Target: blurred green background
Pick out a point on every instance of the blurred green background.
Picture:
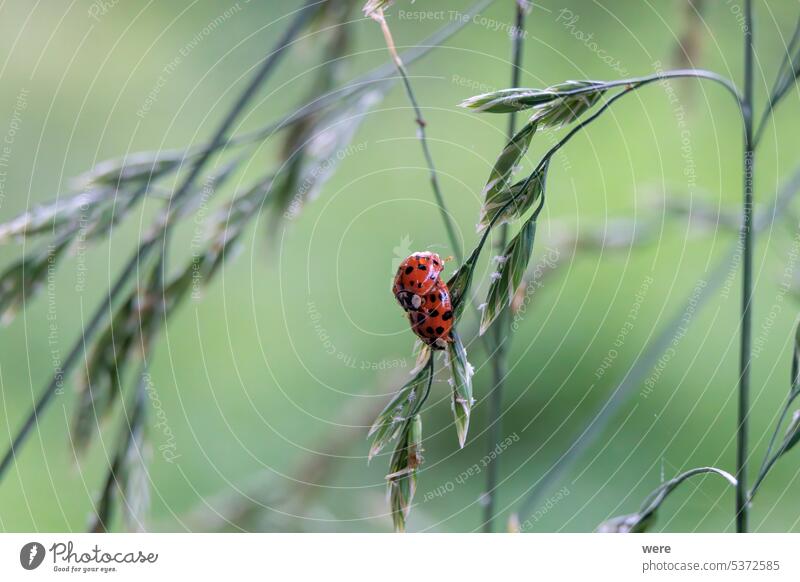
(268, 382)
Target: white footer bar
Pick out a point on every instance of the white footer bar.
(371, 557)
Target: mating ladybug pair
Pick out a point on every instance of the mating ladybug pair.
(425, 297)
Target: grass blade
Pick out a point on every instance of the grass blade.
(402, 479)
(461, 372)
(514, 201)
(510, 156)
(507, 279)
(640, 521)
(403, 406)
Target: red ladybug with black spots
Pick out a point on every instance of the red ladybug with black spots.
(433, 320)
(415, 278)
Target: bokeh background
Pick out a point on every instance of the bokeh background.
(268, 382)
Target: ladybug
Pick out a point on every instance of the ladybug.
(416, 278)
(433, 321)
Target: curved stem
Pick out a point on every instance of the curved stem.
(778, 88)
(423, 140)
(363, 82)
(655, 349)
(418, 407)
(218, 140)
(769, 460)
(499, 364)
(629, 86)
(660, 76)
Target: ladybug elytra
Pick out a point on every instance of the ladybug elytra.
(425, 297)
(433, 322)
(415, 278)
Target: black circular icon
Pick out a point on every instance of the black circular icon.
(31, 555)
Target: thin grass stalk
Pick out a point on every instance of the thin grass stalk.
(629, 383)
(74, 355)
(747, 280)
(219, 138)
(628, 86)
(499, 360)
(769, 459)
(421, 134)
(787, 68)
(363, 82)
(644, 364)
(103, 513)
(133, 422)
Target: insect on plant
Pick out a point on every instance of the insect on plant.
(573, 106)
(118, 340)
(117, 344)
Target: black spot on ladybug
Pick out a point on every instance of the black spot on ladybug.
(433, 296)
(422, 267)
(429, 329)
(447, 315)
(409, 270)
(435, 313)
(419, 285)
(439, 330)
